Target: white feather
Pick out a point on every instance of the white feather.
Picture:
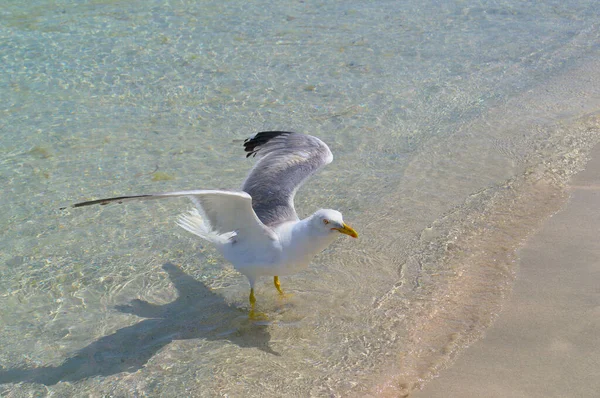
(194, 222)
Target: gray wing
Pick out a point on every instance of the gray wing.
(286, 160)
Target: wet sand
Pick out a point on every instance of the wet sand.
(546, 341)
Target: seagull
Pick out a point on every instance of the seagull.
(256, 228)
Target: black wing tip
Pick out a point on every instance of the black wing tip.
(103, 202)
(91, 202)
(252, 145)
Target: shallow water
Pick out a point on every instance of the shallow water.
(453, 127)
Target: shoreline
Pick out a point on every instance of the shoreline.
(546, 340)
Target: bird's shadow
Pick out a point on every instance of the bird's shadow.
(196, 313)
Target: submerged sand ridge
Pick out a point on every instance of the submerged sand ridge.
(545, 342)
(466, 259)
(462, 268)
(469, 270)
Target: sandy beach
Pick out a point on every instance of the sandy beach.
(546, 341)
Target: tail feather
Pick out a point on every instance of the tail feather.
(194, 222)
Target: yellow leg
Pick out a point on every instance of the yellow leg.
(252, 300)
(257, 316)
(277, 285)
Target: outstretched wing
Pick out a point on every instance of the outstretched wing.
(286, 160)
(225, 211)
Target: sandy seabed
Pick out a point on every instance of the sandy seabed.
(546, 341)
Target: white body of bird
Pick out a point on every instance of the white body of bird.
(287, 250)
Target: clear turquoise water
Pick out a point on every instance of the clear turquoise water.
(450, 124)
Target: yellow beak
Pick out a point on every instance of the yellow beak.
(348, 230)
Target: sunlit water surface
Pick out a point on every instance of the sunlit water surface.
(454, 128)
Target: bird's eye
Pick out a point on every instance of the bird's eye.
(325, 221)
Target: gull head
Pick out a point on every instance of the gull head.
(329, 221)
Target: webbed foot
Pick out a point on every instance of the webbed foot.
(255, 315)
